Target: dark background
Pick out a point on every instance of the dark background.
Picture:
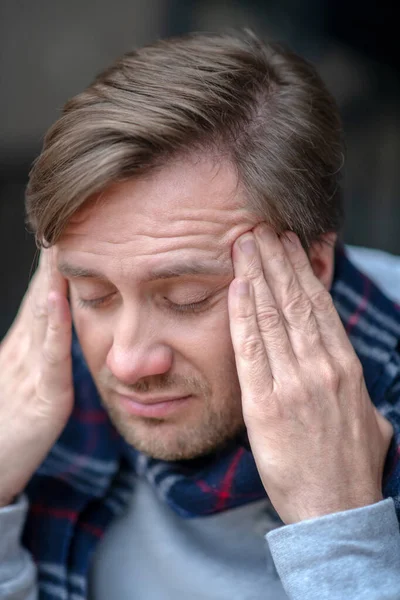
(50, 50)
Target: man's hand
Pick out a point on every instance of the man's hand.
(318, 442)
(36, 390)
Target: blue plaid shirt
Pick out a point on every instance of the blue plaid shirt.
(89, 475)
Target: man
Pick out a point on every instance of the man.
(190, 201)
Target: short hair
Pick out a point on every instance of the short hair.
(258, 104)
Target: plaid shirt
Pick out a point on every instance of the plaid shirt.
(89, 475)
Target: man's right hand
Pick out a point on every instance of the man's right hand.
(36, 388)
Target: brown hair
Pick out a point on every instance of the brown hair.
(259, 104)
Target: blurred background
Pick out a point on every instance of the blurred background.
(50, 50)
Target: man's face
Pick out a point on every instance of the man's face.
(149, 266)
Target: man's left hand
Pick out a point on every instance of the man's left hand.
(318, 442)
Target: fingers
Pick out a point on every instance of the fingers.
(55, 329)
(284, 284)
(251, 359)
(330, 327)
(36, 382)
(290, 297)
(38, 298)
(268, 317)
(32, 312)
(56, 355)
(47, 278)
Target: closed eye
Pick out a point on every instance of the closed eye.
(190, 307)
(94, 302)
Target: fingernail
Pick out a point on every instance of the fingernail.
(265, 232)
(242, 287)
(248, 246)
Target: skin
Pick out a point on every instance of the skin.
(318, 441)
(137, 340)
(265, 350)
(35, 368)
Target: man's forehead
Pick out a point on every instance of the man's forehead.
(182, 221)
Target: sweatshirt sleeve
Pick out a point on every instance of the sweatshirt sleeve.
(17, 569)
(351, 554)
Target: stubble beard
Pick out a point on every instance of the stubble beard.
(217, 421)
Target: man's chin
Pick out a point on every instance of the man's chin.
(187, 436)
(179, 449)
(187, 453)
(165, 441)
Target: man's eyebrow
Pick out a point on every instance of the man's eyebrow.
(189, 268)
(76, 272)
(174, 270)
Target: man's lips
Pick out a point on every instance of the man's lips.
(152, 399)
(151, 406)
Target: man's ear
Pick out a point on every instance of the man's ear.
(322, 258)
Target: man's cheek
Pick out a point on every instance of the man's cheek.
(216, 333)
(95, 340)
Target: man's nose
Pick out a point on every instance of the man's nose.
(137, 351)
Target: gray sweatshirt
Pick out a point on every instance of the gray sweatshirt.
(150, 553)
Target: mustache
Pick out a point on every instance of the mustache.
(158, 383)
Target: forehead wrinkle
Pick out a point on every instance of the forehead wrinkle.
(203, 220)
(154, 233)
(143, 244)
(210, 261)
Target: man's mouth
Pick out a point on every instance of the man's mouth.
(153, 406)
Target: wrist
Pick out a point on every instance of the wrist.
(6, 500)
(331, 506)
